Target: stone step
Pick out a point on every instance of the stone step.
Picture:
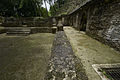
(17, 34)
(18, 31)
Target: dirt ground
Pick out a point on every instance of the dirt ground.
(25, 57)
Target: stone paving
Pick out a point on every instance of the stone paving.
(63, 65)
(90, 51)
(25, 57)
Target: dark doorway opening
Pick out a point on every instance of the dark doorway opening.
(83, 22)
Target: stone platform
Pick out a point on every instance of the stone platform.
(90, 51)
(25, 57)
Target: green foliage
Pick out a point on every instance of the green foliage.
(29, 8)
(53, 10)
(104, 72)
(57, 6)
(44, 12)
(24, 8)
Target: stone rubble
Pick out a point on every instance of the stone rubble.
(63, 65)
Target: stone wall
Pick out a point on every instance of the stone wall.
(104, 24)
(11, 22)
(100, 19)
(1, 19)
(71, 5)
(29, 21)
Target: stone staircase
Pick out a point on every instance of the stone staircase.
(22, 31)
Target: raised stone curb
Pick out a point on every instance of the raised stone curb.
(63, 65)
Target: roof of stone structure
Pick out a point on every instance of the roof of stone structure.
(78, 7)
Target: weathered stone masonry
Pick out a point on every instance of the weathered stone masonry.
(100, 19)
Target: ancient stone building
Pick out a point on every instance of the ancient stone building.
(100, 19)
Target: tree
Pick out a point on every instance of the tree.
(56, 6)
(23, 8)
(28, 8)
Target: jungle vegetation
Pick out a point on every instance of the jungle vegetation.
(29, 8)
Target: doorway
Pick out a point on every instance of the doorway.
(83, 22)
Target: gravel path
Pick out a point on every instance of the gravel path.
(63, 65)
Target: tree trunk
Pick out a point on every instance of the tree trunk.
(46, 7)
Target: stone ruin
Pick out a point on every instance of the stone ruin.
(27, 25)
(100, 19)
(29, 21)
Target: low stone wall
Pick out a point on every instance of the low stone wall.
(2, 30)
(1, 19)
(36, 24)
(29, 21)
(11, 22)
(41, 30)
(100, 19)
